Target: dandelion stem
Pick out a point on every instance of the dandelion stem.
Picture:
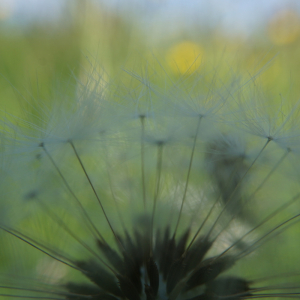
(210, 211)
(249, 168)
(114, 198)
(188, 175)
(93, 188)
(268, 233)
(72, 193)
(237, 186)
(157, 187)
(257, 189)
(230, 197)
(42, 291)
(108, 167)
(272, 215)
(54, 217)
(270, 173)
(200, 228)
(34, 244)
(142, 119)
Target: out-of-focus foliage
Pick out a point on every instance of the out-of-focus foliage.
(37, 57)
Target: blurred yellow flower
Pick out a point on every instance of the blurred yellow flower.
(284, 27)
(185, 57)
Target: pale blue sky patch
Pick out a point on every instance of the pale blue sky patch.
(234, 16)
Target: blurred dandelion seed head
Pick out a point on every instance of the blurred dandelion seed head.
(168, 190)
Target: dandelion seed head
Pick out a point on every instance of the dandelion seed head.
(150, 194)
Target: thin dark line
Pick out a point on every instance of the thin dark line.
(158, 175)
(68, 230)
(236, 187)
(27, 241)
(265, 235)
(188, 175)
(93, 188)
(142, 118)
(72, 193)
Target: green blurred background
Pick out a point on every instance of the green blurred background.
(43, 50)
(41, 54)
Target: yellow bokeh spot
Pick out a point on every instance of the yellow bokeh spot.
(284, 27)
(184, 57)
